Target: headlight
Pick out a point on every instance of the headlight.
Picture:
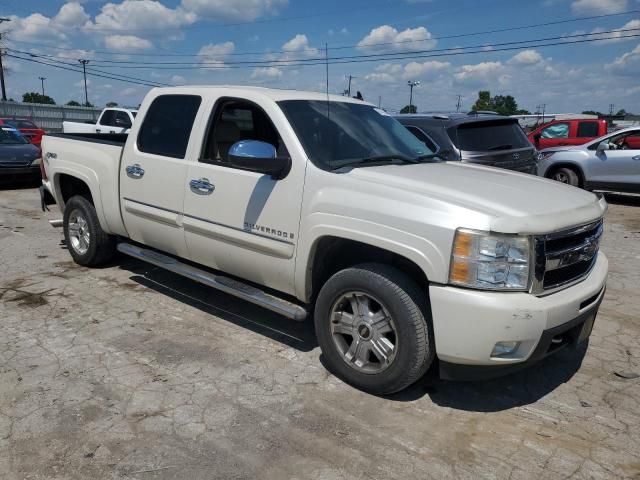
(544, 155)
(490, 261)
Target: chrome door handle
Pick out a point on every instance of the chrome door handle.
(98, 130)
(201, 186)
(135, 171)
(637, 157)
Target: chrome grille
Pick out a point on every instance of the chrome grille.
(566, 257)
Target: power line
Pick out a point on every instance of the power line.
(342, 47)
(566, 40)
(62, 67)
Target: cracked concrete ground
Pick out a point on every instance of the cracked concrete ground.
(128, 372)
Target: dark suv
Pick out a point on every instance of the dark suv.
(483, 139)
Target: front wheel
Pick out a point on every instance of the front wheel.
(374, 329)
(88, 244)
(566, 175)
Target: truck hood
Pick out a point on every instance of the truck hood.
(514, 202)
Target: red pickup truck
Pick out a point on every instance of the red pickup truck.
(29, 129)
(558, 133)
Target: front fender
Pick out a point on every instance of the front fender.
(428, 254)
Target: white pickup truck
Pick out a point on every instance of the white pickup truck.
(111, 120)
(321, 206)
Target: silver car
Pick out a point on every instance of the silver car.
(611, 162)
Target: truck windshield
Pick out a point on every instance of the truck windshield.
(10, 136)
(338, 134)
(488, 136)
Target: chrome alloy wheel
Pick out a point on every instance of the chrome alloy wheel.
(561, 177)
(363, 332)
(79, 232)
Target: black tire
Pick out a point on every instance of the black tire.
(566, 175)
(408, 307)
(101, 246)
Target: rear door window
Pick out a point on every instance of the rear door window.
(166, 127)
(488, 136)
(108, 118)
(423, 137)
(588, 129)
(558, 130)
(123, 120)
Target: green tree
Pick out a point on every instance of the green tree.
(111, 104)
(592, 112)
(73, 103)
(483, 102)
(502, 104)
(409, 109)
(34, 97)
(621, 113)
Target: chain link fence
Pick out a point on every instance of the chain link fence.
(49, 117)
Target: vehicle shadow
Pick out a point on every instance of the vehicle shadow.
(19, 184)
(515, 390)
(298, 335)
(622, 199)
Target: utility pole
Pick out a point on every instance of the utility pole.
(4, 91)
(350, 77)
(458, 104)
(611, 106)
(42, 79)
(84, 71)
(411, 84)
(379, 101)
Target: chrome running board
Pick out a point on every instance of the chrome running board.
(219, 282)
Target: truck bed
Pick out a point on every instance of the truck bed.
(117, 139)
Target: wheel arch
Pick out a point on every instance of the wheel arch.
(566, 164)
(68, 184)
(331, 253)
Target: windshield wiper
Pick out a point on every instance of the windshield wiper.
(377, 159)
(506, 146)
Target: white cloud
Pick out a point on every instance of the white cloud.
(628, 63)
(266, 72)
(618, 35)
(484, 72)
(71, 15)
(178, 80)
(214, 54)
(76, 54)
(127, 43)
(300, 45)
(385, 38)
(415, 70)
(134, 15)
(396, 73)
(526, 58)
(246, 10)
(594, 7)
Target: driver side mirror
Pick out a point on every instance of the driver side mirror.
(602, 146)
(260, 157)
(536, 137)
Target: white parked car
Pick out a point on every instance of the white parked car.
(111, 120)
(308, 205)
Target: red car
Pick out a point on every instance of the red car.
(28, 129)
(559, 133)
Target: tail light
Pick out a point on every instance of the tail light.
(43, 172)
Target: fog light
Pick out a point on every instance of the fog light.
(503, 349)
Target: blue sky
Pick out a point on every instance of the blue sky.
(220, 33)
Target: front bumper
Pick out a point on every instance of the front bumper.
(468, 323)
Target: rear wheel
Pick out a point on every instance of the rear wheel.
(373, 327)
(88, 244)
(566, 175)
